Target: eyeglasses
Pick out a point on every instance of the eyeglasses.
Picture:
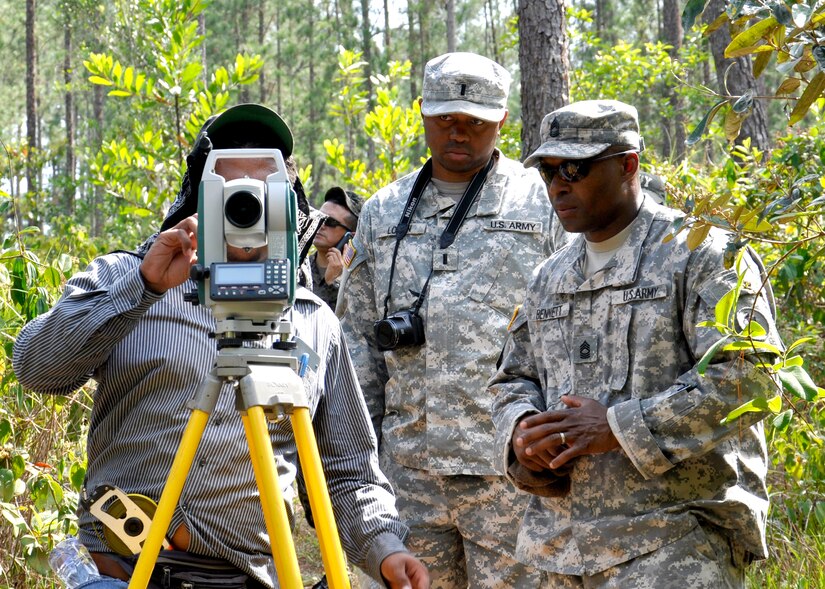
(574, 170)
(332, 224)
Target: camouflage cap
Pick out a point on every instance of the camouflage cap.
(586, 128)
(465, 83)
(346, 198)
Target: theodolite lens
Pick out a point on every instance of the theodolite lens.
(243, 209)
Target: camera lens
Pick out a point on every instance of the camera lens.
(386, 335)
(242, 209)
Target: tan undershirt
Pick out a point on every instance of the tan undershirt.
(598, 253)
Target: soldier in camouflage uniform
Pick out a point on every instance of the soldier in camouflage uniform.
(428, 402)
(600, 411)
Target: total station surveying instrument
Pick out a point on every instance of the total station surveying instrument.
(247, 300)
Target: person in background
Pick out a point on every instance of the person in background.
(125, 322)
(439, 260)
(341, 209)
(602, 410)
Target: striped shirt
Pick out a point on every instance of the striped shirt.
(148, 354)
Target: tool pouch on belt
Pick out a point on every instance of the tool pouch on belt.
(182, 570)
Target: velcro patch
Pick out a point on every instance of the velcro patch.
(349, 253)
(527, 226)
(640, 293)
(552, 312)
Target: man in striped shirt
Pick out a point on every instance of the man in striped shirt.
(125, 323)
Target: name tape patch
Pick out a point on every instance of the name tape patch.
(553, 312)
(640, 293)
(515, 225)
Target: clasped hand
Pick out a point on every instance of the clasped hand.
(538, 442)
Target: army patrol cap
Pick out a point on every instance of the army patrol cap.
(465, 83)
(585, 129)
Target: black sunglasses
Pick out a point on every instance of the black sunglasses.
(332, 224)
(574, 170)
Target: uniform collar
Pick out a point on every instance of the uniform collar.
(623, 267)
(489, 200)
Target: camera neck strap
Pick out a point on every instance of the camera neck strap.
(450, 231)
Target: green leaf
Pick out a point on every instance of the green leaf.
(811, 93)
(754, 330)
(751, 36)
(52, 276)
(792, 361)
(724, 306)
(783, 420)
(5, 431)
(6, 484)
(18, 466)
(799, 342)
(697, 133)
(758, 405)
(797, 382)
(693, 9)
(752, 345)
(192, 71)
(702, 366)
(100, 81)
(77, 475)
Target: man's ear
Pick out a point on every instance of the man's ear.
(631, 164)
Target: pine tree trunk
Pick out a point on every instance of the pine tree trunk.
(735, 76)
(387, 36)
(414, 74)
(262, 95)
(68, 99)
(451, 44)
(366, 45)
(98, 93)
(544, 65)
(32, 174)
(673, 131)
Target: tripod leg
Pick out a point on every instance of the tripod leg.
(169, 499)
(330, 543)
(272, 500)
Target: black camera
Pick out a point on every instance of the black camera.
(398, 330)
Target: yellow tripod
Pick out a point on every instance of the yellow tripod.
(267, 387)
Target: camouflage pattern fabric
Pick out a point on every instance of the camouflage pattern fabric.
(701, 559)
(628, 337)
(326, 292)
(429, 404)
(465, 83)
(485, 506)
(585, 129)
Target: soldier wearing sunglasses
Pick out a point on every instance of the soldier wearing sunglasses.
(341, 208)
(599, 406)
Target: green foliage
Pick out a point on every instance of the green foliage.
(42, 461)
(392, 127)
(785, 368)
(792, 32)
(639, 73)
(170, 100)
